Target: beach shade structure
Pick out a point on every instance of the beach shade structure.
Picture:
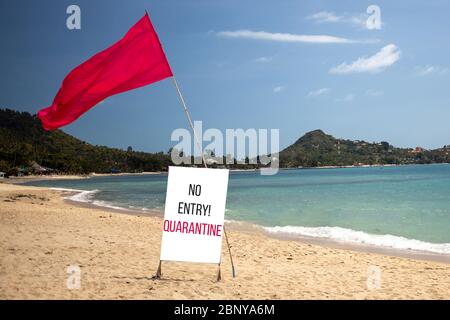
(134, 61)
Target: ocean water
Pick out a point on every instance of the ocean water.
(403, 207)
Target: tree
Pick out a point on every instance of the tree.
(385, 145)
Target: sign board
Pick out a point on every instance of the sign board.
(194, 214)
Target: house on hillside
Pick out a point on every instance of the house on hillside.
(211, 161)
(37, 168)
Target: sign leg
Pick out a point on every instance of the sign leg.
(219, 274)
(158, 271)
(229, 251)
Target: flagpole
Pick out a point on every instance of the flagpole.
(199, 146)
(188, 116)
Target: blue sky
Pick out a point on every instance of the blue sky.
(292, 65)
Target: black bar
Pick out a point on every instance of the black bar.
(223, 309)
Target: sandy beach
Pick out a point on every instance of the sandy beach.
(28, 178)
(41, 235)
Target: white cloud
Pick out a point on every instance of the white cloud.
(325, 17)
(278, 89)
(430, 69)
(263, 59)
(374, 93)
(358, 20)
(383, 59)
(285, 37)
(318, 92)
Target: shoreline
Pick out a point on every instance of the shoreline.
(414, 252)
(30, 178)
(245, 226)
(41, 235)
(24, 179)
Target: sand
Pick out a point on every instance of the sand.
(41, 235)
(23, 179)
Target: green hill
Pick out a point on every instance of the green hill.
(23, 143)
(26, 147)
(316, 148)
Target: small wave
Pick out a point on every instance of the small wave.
(360, 237)
(134, 208)
(87, 196)
(236, 222)
(105, 204)
(83, 195)
(67, 189)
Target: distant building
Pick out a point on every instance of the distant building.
(2, 175)
(211, 161)
(37, 168)
(418, 149)
(22, 172)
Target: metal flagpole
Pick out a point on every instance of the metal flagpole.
(199, 146)
(188, 116)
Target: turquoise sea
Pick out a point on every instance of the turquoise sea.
(402, 207)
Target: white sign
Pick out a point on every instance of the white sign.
(194, 214)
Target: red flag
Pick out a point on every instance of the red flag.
(134, 61)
